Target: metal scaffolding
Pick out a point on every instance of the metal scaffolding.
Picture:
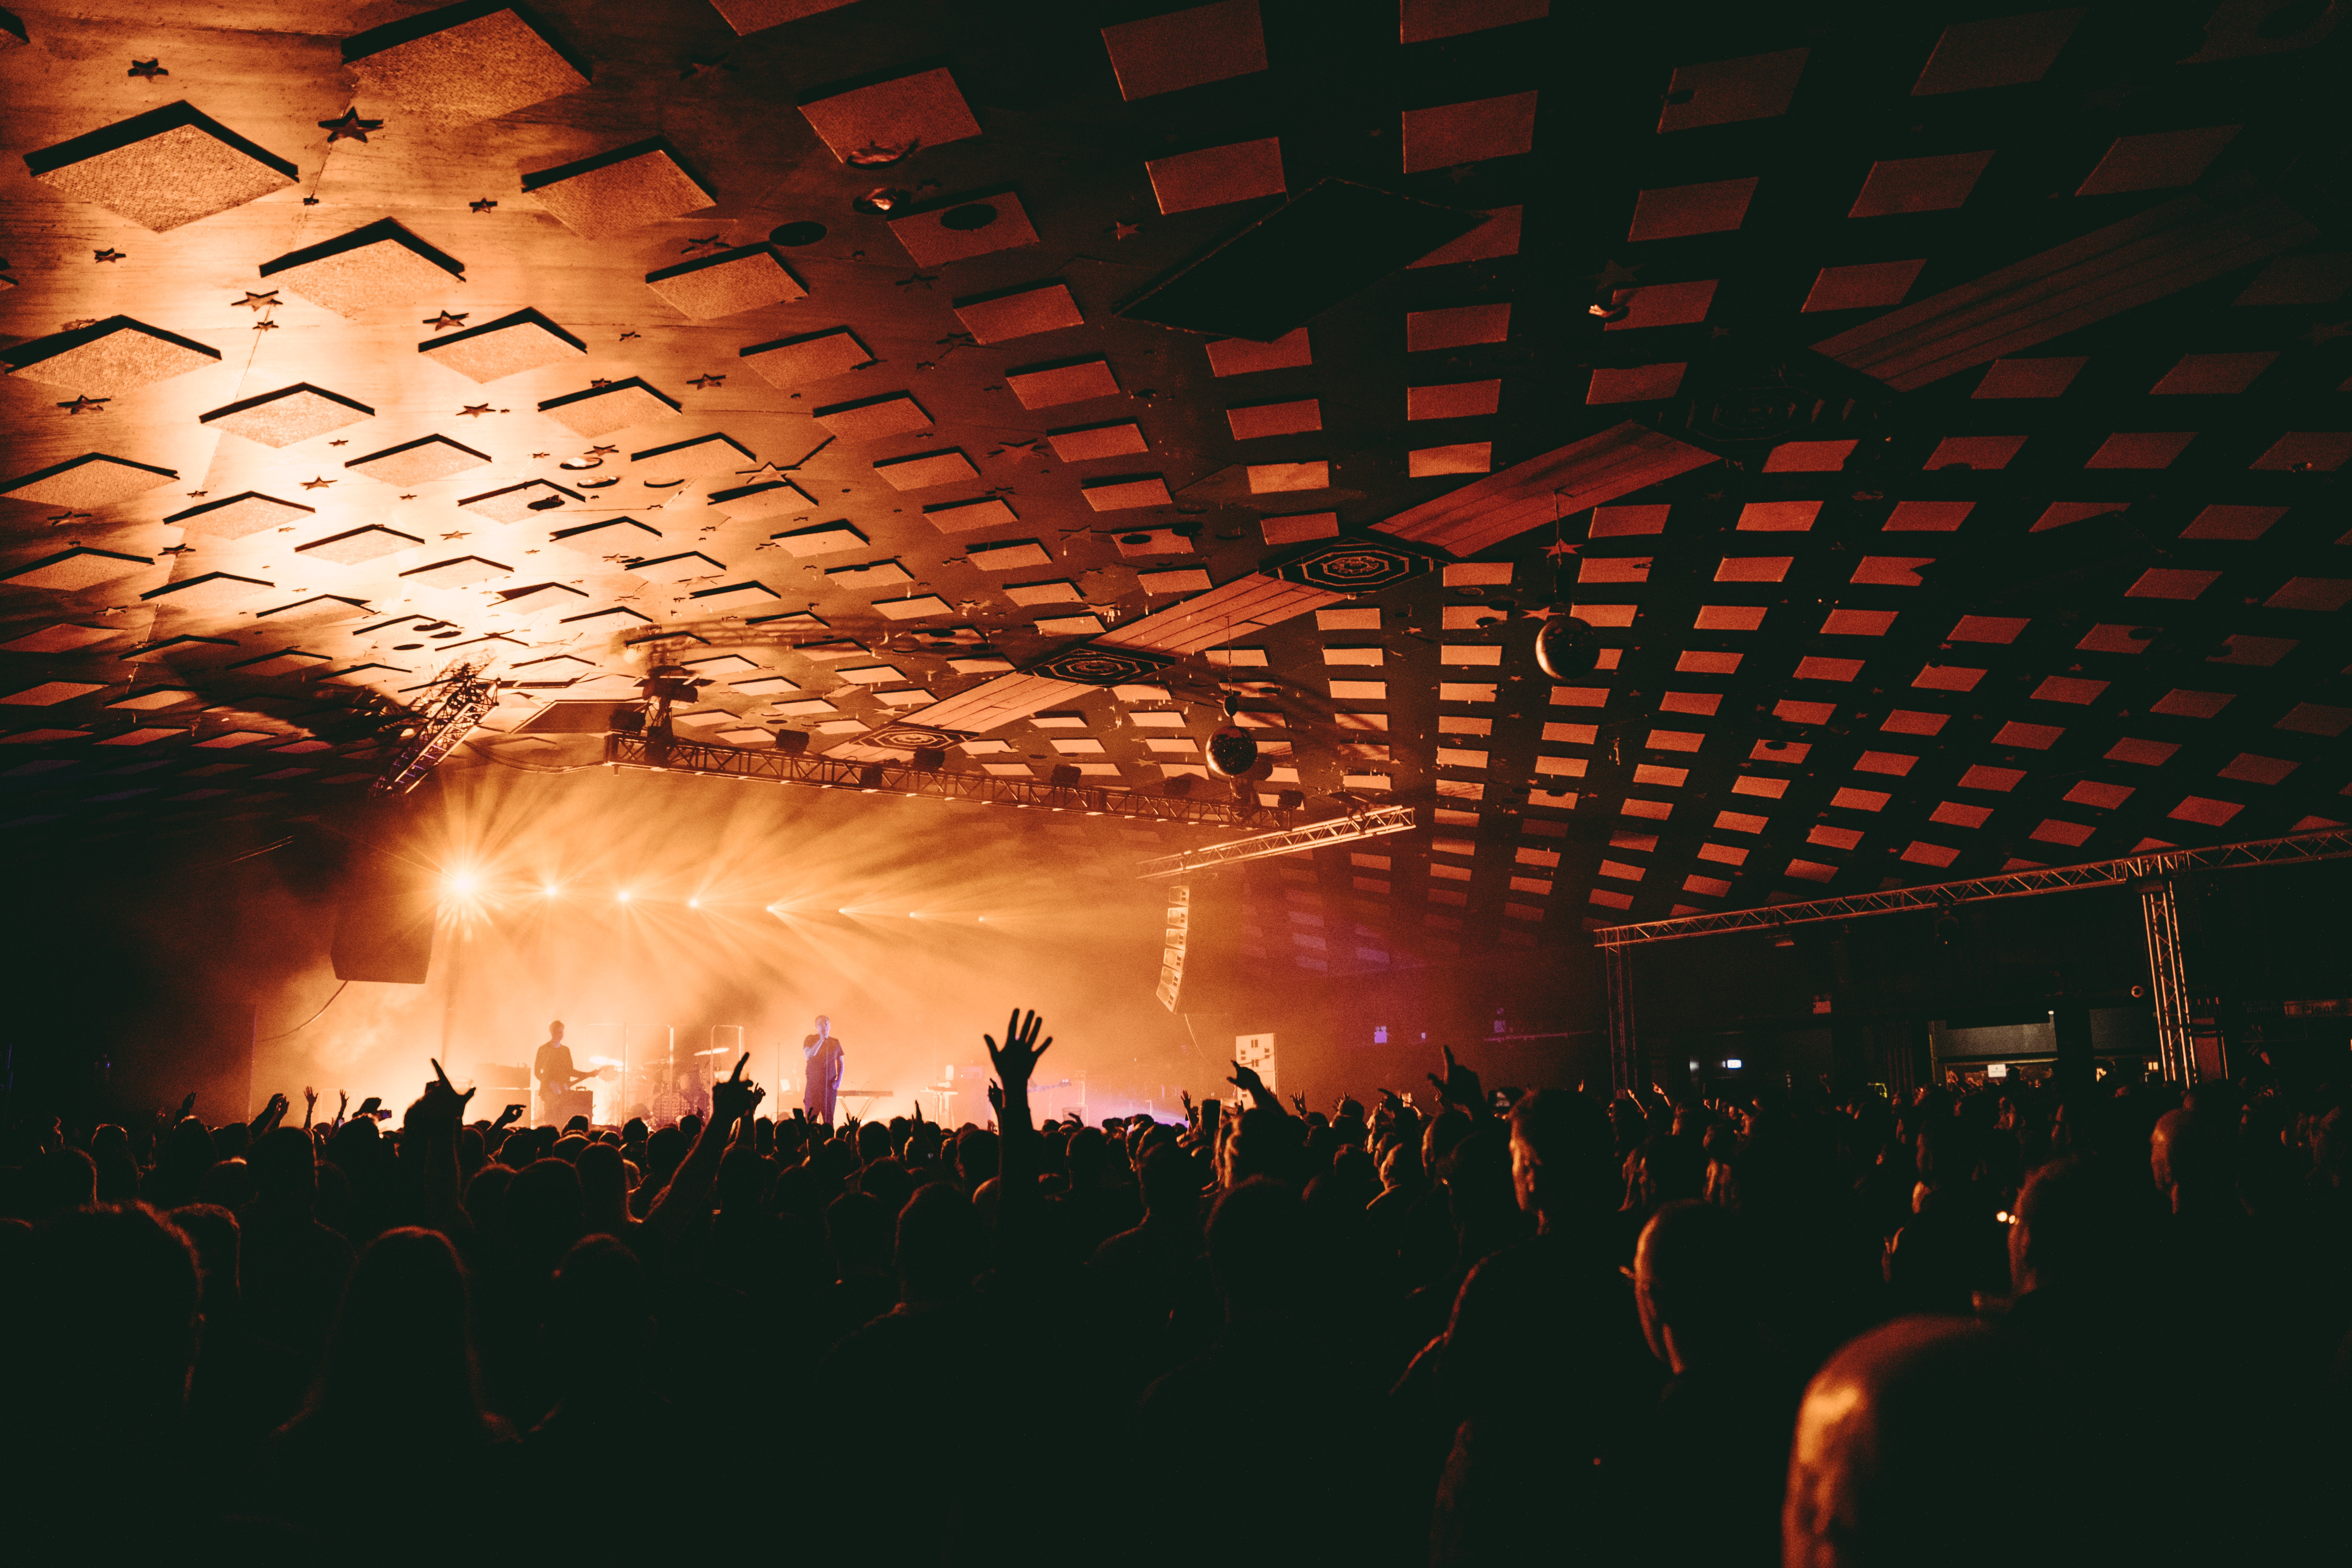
(458, 701)
(638, 751)
(1370, 823)
(2330, 844)
(2167, 974)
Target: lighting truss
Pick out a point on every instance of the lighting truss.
(2330, 844)
(1370, 823)
(454, 704)
(623, 751)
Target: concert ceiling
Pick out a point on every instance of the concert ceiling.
(1937, 411)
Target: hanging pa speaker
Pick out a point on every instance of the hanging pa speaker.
(383, 924)
(1199, 960)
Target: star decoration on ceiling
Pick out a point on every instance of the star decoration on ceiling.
(483, 205)
(540, 454)
(1612, 276)
(108, 254)
(626, 336)
(442, 322)
(461, 533)
(708, 381)
(64, 518)
(2323, 331)
(473, 410)
(318, 484)
(264, 325)
(1559, 547)
(925, 279)
(177, 550)
(695, 246)
(349, 128)
(600, 451)
(411, 496)
(339, 443)
(253, 302)
(86, 404)
(1123, 229)
(600, 382)
(198, 495)
(310, 201)
(147, 68)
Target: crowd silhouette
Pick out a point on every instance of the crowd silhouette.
(2004, 1325)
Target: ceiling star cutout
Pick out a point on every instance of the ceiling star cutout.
(147, 68)
(1612, 276)
(411, 496)
(177, 550)
(310, 201)
(318, 484)
(264, 325)
(626, 336)
(483, 205)
(1559, 547)
(108, 254)
(198, 495)
(461, 533)
(543, 454)
(339, 443)
(253, 302)
(442, 322)
(348, 127)
(711, 242)
(925, 279)
(85, 404)
(599, 380)
(708, 381)
(1123, 229)
(473, 410)
(600, 451)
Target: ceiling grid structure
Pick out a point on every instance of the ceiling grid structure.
(1938, 417)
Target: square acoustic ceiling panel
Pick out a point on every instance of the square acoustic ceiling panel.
(110, 357)
(162, 169)
(747, 278)
(626, 188)
(472, 61)
(289, 415)
(376, 265)
(508, 346)
(92, 479)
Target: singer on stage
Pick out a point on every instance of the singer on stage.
(823, 1053)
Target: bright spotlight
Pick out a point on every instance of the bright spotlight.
(694, 903)
(551, 889)
(623, 895)
(462, 883)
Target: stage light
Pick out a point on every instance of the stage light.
(623, 895)
(551, 889)
(694, 903)
(462, 883)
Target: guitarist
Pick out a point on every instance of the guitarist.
(553, 1070)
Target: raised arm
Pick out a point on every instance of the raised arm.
(1249, 1083)
(688, 1193)
(437, 1115)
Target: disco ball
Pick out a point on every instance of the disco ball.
(1567, 647)
(1232, 752)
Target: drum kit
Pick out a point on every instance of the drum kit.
(675, 1090)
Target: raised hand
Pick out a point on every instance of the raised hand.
(442, 1102)
(734, 1097)
(997, 1097)
(1459, 1086)
(1247, 1081)
(310, 1105)
(187, 1106)
(1299, 1101)
(1191, 1116)
(1017, 1059)
(511, 1114)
